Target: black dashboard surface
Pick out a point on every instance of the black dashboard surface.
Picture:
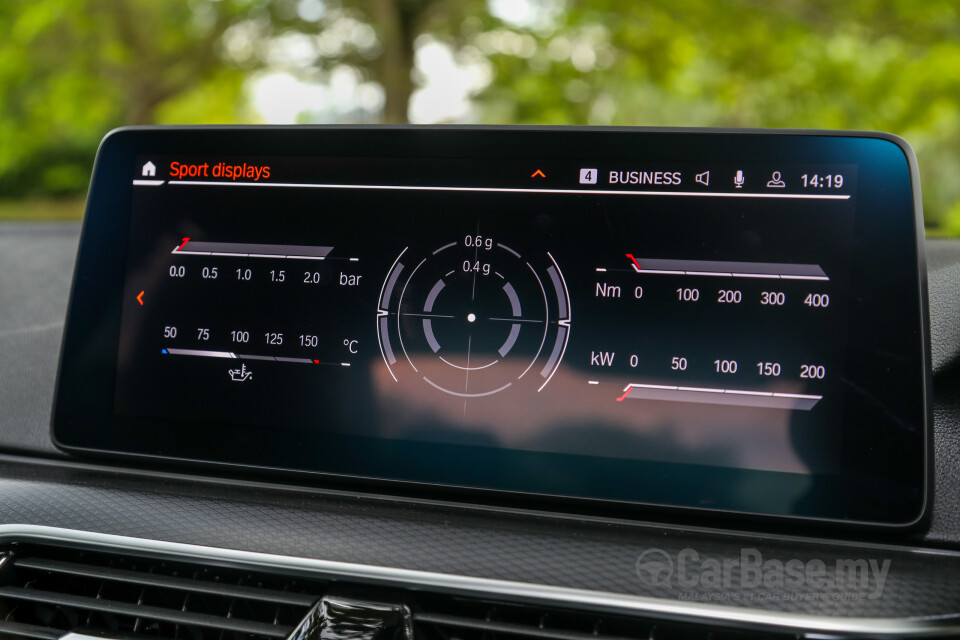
(35, 271)
(36, 266)
(522, 548)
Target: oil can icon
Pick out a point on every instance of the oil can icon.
(241, 375)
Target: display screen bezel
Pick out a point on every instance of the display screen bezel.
(84, 420)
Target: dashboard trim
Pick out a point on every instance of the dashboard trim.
(704, 613)
(289, 486)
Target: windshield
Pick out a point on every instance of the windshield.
(71, 70)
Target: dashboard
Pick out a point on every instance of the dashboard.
(411, 352)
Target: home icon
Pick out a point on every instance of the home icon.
(149, 170)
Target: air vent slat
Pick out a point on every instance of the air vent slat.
(19, 630)
(506, 627)
(153, 613)
(48, 591)
(170, 582)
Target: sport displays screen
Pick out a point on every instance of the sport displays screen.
(720, 321)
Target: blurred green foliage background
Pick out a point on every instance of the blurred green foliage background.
(70, 70)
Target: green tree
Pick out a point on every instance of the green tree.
(70, 70)
(387, 59)
(890, 65)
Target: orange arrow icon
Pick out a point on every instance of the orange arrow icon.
(538, 174)
(140, 298)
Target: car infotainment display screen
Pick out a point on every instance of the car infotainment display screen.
(706, 320)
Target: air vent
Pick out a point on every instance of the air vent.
(47, 592)
(471, 619)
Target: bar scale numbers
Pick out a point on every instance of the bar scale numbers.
(289, 265)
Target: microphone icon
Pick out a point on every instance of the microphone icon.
(738, 180)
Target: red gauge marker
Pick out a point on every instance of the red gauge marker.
(316, 362)
(185, 241)
(635, 263)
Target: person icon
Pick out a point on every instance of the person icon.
(775, 181)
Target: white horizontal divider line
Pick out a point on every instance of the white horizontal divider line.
(203, 353)
(273, 256)
(636, 385)
(661, 272)
(691, 272)
(786, 277)
(768, 276)
(603, 192)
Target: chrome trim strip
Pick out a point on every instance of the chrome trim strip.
(617, 602)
